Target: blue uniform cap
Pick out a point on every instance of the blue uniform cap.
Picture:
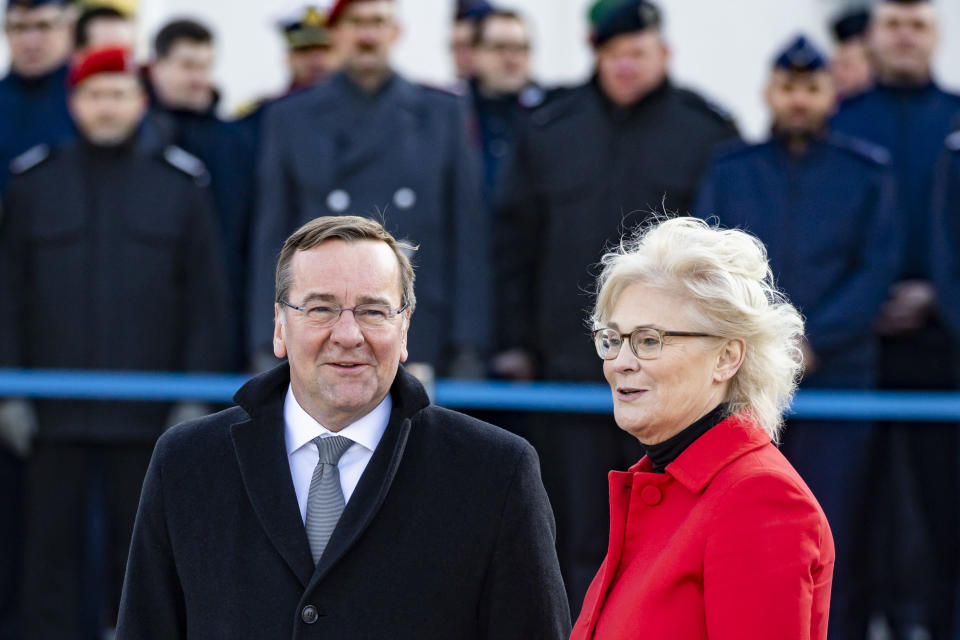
(472, 9)
(800, 56)
(33, 4)
(615, 17)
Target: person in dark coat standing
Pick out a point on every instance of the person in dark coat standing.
(822, 204)
(367, 141)
(184, 112)
(109, 259)
(910, 115)
(335, 501)
(502, 90)
(612, 151)
(33, 95)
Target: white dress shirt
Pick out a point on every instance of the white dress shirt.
(299, 431)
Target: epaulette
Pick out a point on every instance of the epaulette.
(561, 100)
(862, 148)
(455, 91)
(187, 163)
(248, 108)
(701, 103)
(733, 148)
(953, 141)
(29, 159)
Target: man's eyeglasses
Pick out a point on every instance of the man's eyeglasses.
(370, 316)
(645, 342)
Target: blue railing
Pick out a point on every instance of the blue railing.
(457, 394)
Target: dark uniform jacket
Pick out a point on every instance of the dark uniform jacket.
(946, 234)
(109, 260)
(910, 123)
(32, 111)
(448, 535)
(826, 218)
(401, 154)
(228, 156)
(583, 172)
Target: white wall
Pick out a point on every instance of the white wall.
(720, 48)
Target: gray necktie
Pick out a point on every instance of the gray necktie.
(325, 500)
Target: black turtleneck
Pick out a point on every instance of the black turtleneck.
(663, 453)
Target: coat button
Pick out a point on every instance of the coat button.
(338, 200)
(651, 495)
(309, 614)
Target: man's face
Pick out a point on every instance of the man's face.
(902, 39)
(851, 68)
(108, 107)
(309, 65)
(365, 34)
(800, 102)
(461, 46)
(631, 65)
(184, 78)
(340, 373)
(502, 59)
(39, 39)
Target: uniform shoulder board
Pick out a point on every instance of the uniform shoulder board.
(953, 141)
(455, 91)
(862, 148)
(29, 159)
(733, 148)
(557, 102)
(187, 163)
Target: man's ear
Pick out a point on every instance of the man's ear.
(729, 360)
(279, 331)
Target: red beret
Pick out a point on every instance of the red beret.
(337, 10)
(104, 60)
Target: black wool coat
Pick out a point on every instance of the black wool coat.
(448, 535)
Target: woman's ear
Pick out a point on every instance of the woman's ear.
(729, 359)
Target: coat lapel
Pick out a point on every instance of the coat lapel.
(262, 456)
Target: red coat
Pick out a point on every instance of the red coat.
(728, 544)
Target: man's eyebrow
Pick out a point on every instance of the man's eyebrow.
(373, 300)
(318, 297)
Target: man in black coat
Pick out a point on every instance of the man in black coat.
(426, 524)
(601, 157)
(367, 141)
(108, 260)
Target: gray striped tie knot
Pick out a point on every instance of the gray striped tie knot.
(325, 500)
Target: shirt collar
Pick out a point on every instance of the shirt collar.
(300, 427)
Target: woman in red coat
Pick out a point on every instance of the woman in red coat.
(712, 534)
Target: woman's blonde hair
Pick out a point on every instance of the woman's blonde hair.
(724, 273)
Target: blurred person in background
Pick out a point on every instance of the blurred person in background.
(502, 89)
(463, 36)
(184, 111)
(311, 55)
(910, 115)
(33, 110)
(822, 204)
(370, 142)
(33, 95)
(713, 535)
(109, 259)
(625, 144)
(103, 23)
(850, 65)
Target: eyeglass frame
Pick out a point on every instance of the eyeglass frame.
(340, 310)
(661, 332)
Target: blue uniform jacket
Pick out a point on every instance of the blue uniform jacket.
(32, 111)
(911, 123)
(400, 155)
(826, 219)
(946, 234)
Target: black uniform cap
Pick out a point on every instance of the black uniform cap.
(852, 24)
(800, 56)
(615, 17)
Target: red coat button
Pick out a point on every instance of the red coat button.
(651, 495)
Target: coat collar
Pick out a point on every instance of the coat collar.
(261, 455)
(729, 440)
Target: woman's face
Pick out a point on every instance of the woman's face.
(655, 399)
